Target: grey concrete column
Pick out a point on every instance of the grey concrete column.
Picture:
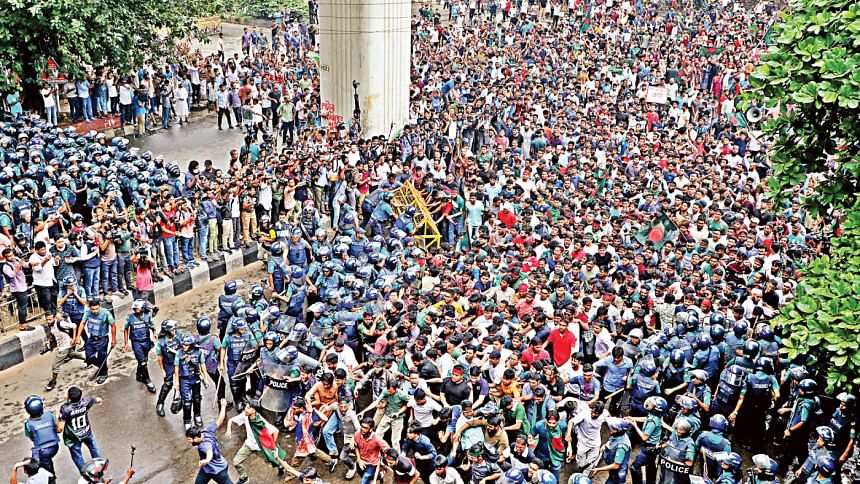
(367, 41)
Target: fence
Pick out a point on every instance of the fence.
(9, 311)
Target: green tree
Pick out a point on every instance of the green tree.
(82, 33)
(812, 74)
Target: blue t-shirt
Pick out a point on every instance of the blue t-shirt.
(616, 375)
(210, 442)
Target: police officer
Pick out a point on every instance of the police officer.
(233, 349)
(295, 295)
(277, 269)
(676, 457)
(651, 434)
(730, 468)
(101, 332)
(756, 397)
(616, 452)
(706, 357)
(210, 347)
(298, 249)
(41, 429)
(381, 214)
(735, 340)
(166, 348)
(712, 442)
(843, 424)
(139, 330)
(732, 381)
(189, 371)
(825, 468)
(225, 306)
(823, 446)
(72, 299)
(799, 423)
(674, 372)
(764, 470)
(642, 386)
(698, 390)
(258, 298)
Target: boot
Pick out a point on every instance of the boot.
(162, 396)
(139, 373)
(186, 414)
(198, 420)
(145, 374)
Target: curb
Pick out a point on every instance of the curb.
(17, 348)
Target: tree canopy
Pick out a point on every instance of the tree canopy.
(81, 33)
(812, 74)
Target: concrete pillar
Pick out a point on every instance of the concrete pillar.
(367, 41)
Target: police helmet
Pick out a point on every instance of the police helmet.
(204, 325)
(34, 406)
(256, 291)
(647, 367)
(230, 287)
(188, 340)
(94, 470)
(718, 422)
(277, 248)
(168, 325)
(808, 385)
(657, 404)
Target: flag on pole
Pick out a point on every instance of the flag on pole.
(768, 36)
(315, 57)
(658, 232)
(586, 21)
(710, 51)
(738, 119)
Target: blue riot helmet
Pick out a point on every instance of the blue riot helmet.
(34, 406)
(277, 248)
(718, 423)
(256, 291)
(656, 404)
(204, 325)
(741, 328)
(251, 315)
(718, 332)
(677, 357)
(703, 341)
(230, 287)
(647, 367)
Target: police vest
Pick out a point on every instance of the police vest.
(139, 327)
(296, 253)
(676, 450)
(43, 431)
(760, 388)
(297, 302)
(97, 324)
(189, 364)
(225, 306)
(206, 345)
(643, 388)
(235, 347)
(613, 446)
(168, 349)
(279, 274)
(72, 306)
(712, 443)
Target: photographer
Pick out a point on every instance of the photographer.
(109, 263)
(13, 273)
(43, 263)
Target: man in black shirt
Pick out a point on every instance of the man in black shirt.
(455, 388)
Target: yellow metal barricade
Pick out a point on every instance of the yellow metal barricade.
(426, 233)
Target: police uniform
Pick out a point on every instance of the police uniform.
(673, 458)
(236, 347)
(732, 381)
(166, 347)
(209, 346)
(187, 364)
(642, 387)
(225, 311)
(139, 333)
(277, 267)
(72, 306)
(42, 431)
(617, 451)
(711, 442)
(758, 395)
(98, 334)
(647, 456)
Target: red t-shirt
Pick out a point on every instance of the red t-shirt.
(562, 345)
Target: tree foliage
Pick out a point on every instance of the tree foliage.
(812, 73)
(824, 318)
(81, 33)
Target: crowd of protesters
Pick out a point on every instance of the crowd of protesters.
(600, 304)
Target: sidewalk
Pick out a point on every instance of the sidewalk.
(19, 346)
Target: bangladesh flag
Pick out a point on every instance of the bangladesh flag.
(658, 232)
(738, 119)
(753, 29)
(710, 51)
(586, 22)
(768, 36)
(270, 450)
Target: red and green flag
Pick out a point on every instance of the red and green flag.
(710, 51)
(270, 450)
(658, 232)
(738, 119)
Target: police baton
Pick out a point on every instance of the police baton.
(104, 361)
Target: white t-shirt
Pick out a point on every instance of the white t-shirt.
(41, 477)
(250, 441)
(43, 275)
(48, 97)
